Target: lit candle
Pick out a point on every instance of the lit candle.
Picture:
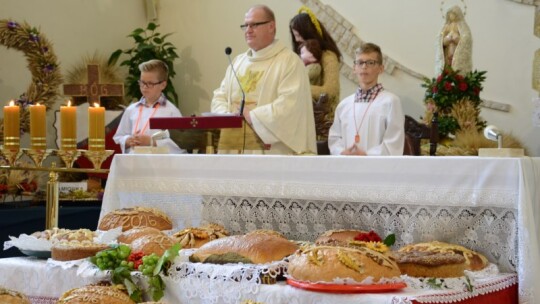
(68, 127)
(12, 129)
(96, 128)
(38, 127)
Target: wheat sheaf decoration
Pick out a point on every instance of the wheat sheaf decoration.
(42, 63)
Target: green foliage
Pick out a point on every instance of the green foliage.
(450, 87)
(149, 44)
(117, 260)
(390, 240)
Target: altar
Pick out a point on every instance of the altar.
(487, 204)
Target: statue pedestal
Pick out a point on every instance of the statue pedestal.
(502, 152)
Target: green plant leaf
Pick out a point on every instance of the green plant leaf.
(114, 57)
(138, 39)
(168, 256)
(136, 32)
(156, 287)
(151, 26)
(135, 293)
(148, 44)
(390, 240)
(119, 274)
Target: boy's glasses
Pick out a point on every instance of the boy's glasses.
(368, 63)
(150, 85)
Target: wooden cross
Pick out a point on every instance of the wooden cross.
(93, 90)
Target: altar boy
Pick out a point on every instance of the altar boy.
(134, 128)
(371, 121)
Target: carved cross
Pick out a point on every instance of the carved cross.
(93, 90)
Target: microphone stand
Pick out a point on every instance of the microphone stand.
(228, 51)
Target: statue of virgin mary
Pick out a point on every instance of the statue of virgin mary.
(454, 43)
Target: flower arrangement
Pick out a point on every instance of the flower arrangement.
(373, 241)
(451, 90)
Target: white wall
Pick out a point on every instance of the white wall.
(504, 44)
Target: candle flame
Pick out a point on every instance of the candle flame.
(69, 103)
(96, 105)
(11, 103)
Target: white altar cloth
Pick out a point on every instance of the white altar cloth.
(44, 281)
(488, 204)
(38, 280)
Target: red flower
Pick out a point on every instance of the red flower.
(435, 90)
(371, 236)
(463, 86)
(439, 79)
(459, 78)
(136, 258)
(448, 86)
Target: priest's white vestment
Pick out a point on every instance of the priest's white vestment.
(277, 90)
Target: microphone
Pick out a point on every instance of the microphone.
(228, 52)
(492, 133)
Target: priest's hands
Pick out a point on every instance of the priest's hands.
(354, 150)
(138, 140)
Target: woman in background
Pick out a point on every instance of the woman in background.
(305, 26)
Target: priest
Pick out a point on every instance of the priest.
(270, 80)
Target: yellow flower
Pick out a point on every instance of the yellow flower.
(375, 246)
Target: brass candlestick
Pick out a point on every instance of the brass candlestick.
(52, 204)
(97, 157)
(11, 155)
(37, 155)
(69, 156)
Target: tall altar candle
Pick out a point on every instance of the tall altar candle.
(96, 128)
(38, 127)
(12, 128)
(68, 127)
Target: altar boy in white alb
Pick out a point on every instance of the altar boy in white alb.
(371, 121)
(134, 128)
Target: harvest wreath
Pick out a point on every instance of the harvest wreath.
(42, 63)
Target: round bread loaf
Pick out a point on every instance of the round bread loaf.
(75, 250)
(327, 263)
(195, 237)
(252, 249)
(95, 294)
(129, 218)
(127, 237)
(12, 297)
(438, 260)
(338, 237)
(152, 243)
